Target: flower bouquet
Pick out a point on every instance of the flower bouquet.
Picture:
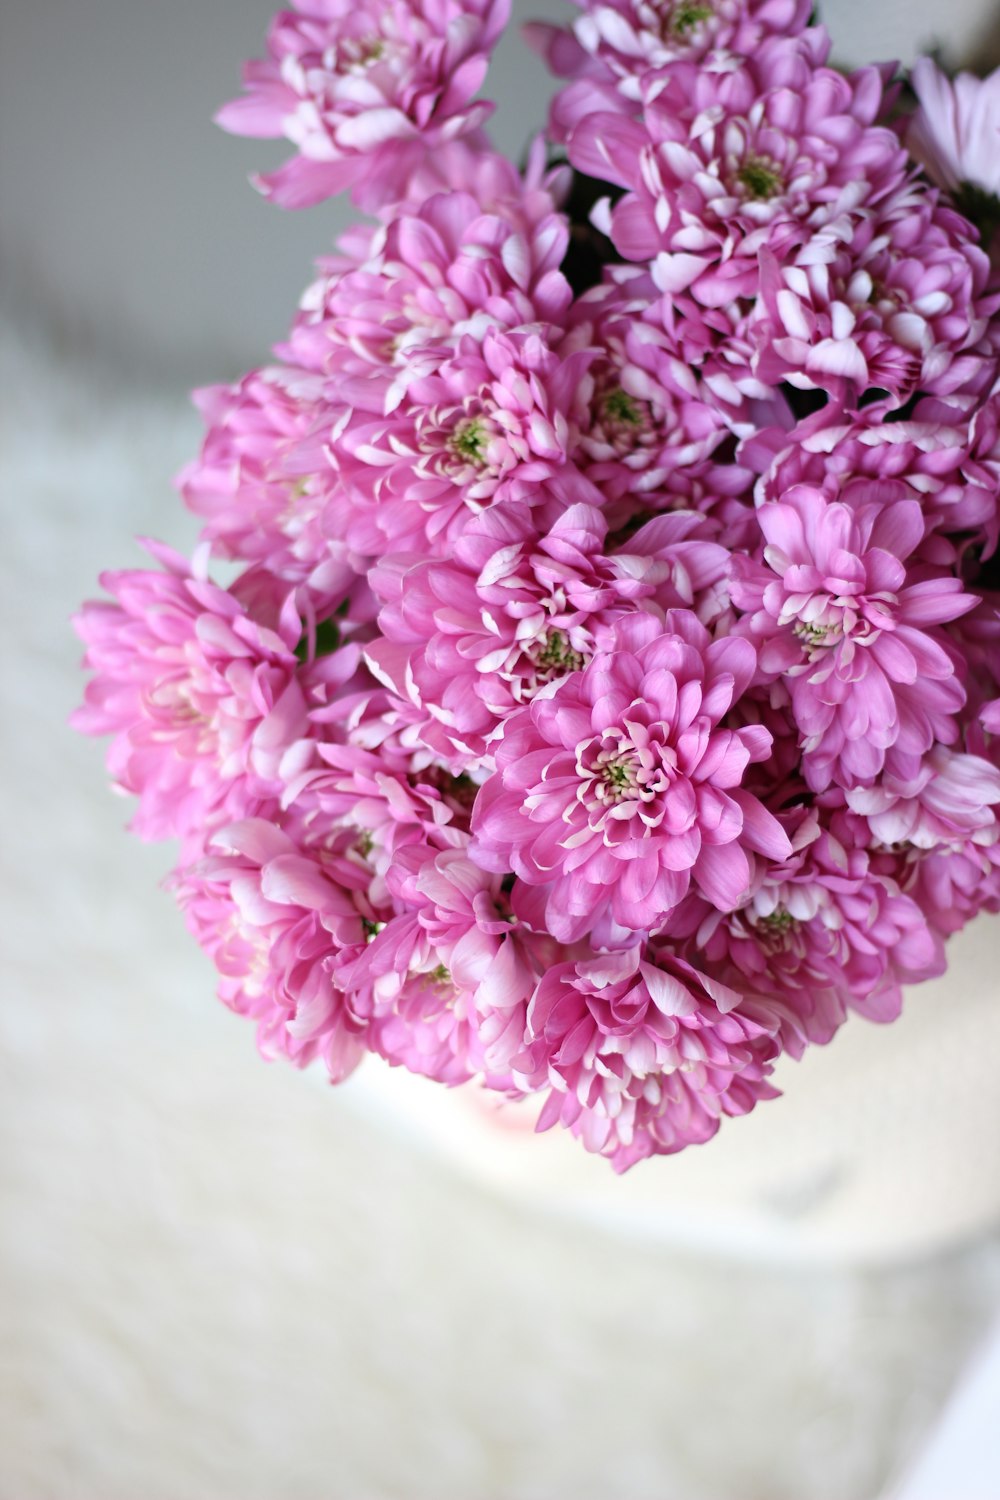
(604, 699)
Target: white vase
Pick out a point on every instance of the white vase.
(883, 1146)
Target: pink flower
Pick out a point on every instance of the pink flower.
(447, 962)
(944, 798)
(898, 306)
(276, 918)
(939, 458)
(365, 91)
(202, 697)
(621, 41)
(371, 796)
(726, 164)
(399, 299)
(647, 431)
(642, 1057)
(954, 883)
(955, 133)
(259, 501)
(617, 790)
(489, 424)
(822, 933)
(837, 617)
(471, 639)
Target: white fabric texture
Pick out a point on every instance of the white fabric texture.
(222, 1281)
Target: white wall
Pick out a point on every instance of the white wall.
(126, 214)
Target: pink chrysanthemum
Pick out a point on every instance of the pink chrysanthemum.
(822, 933)
(259, 502)
(727, 164)
(642, 1057)
(471, 639)
(276, 918)
(202, 696)
(945, 798)
(399, 299)
(837, 617)
(647, 432)
(900, 306)
(366, 89)
(621, 41)
(940, 458)
(490, 424)
(619, 789)
(449, 961)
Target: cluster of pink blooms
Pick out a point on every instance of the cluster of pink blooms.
(608, 697)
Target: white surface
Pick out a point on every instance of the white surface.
(961, 1460)
(221, 1281)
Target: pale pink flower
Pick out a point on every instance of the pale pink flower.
(642, 1057)
(955, 133)
(365, 90)
(372, 796)
(954, 883)
(945, 797)
(837, 617)
(276, 917)
(260, 502)
(617, 790)
(202, 697)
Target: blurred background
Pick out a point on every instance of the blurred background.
(220, 1281)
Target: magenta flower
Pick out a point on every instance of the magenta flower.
(823, 933)
(621, 41)
(276, 918)
(202, 698)
(471, 639)
(398, 299)
(620, 788)
(836, 615)
(447, 963)
(727, 164)
(490, 424)
(365, 91)
(642, 1058)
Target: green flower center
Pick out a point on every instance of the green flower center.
(469, 441)
(619, 406)
(619, 778)
(812, 634)
(779, 921)
(760, 178)
(687, 15)
(557, 656)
